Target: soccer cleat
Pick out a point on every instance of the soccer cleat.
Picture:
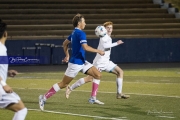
(92, 101)
(68, 91)
(122, 96)
(41, 102)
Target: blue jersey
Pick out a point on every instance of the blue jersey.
(77, 38)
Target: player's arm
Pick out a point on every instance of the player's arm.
(90, 49)
(66, 51)
(106, 45)
(6, 87)
(86, 47)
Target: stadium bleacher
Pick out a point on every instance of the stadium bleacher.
(51, 19)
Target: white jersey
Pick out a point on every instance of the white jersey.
(105, 44)
(6, 98)
(3, 67)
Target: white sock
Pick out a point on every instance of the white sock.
(77, 84)
(20, 115)
(56, 87)
(119, 82)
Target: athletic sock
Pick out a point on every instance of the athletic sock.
(95, 86)
(20, 115)
(119, 82)
(55, 88)
(77, 84)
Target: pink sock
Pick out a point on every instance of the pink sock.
(95, 86)
(55, 88)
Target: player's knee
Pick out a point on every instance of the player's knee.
(16, 106)
(98, 76)
(21, 105)
(120, 72)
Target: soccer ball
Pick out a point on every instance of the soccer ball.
(100, 31)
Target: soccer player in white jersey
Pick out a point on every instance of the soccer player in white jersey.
(103, 63)
(77, 62)
(8, 99)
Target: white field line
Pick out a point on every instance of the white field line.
(81, 115)
(154, 95)
(166, 117)
(136, 82)
(140, 82)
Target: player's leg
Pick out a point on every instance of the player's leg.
(53, 90)
(96, 81)
(19, 109)
(57, 86)
(11, 101)
(119, 80)
(81, 81)
(77, 84)
(68, 77)
(70, 73)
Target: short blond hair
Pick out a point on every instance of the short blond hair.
(108, 23)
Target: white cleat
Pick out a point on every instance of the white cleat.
(68, 91)
(92, 101)
(41, 102)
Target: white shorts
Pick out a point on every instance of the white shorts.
(73, 69)
(8, 98)
(105, 67)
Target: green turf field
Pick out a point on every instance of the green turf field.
(155, 95)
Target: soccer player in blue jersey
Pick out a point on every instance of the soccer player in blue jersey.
(103, 63)
(77, 62)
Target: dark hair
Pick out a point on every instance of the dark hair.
(3, 27)
(77, 18)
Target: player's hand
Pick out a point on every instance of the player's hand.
(101, 53)
(7, 89)
(12, 73)
(66, 59)
(120, 42)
